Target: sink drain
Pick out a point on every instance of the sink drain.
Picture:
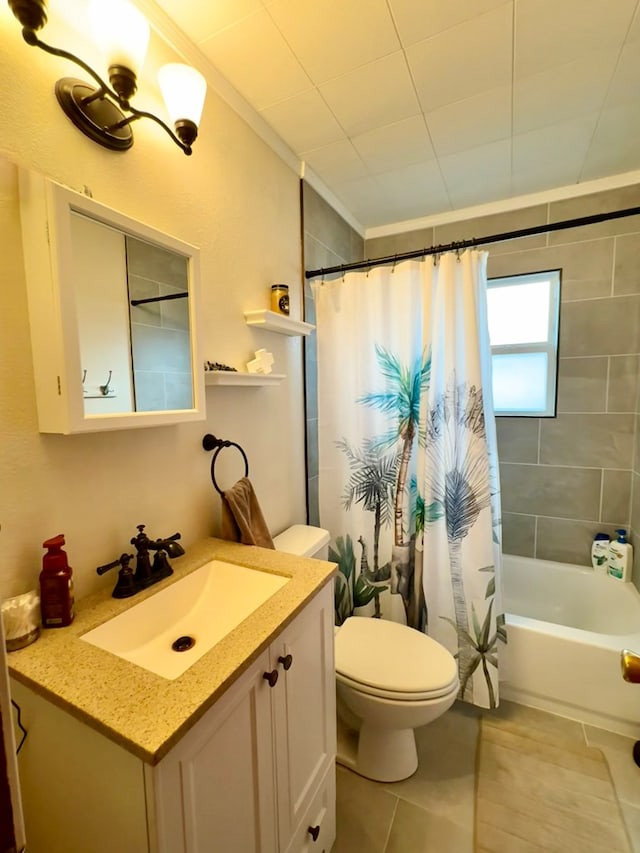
(183, 644)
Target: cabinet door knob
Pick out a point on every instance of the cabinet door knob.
(314, 832)
(286, 661)
(271, 677)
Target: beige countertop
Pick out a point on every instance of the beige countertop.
(145, 713)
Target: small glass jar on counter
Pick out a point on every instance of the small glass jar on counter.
(21, 620)
(280, 298)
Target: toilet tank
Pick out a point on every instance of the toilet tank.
(304, 541)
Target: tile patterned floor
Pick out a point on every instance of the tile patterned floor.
(543, 793)
(432, 812)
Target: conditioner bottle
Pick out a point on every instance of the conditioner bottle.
(620, 558)
(56, 586)
(600, 553)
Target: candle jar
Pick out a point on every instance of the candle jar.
(280, 298)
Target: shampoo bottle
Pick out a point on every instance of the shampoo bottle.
(600, 552)
(56, 586)
(620, 557)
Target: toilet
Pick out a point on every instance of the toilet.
(390, 679)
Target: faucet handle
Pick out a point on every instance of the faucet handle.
(123, 561)
(168, 544)
(161, 568)
(125, 585)
(102, 569)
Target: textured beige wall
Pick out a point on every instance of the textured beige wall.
(240, 203)
(563, 479)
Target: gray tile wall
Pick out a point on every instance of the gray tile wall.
(566, 478)
(327, 241)
(160, 341)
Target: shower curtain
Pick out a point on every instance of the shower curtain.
(408, 481)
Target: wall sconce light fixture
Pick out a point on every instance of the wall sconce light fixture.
(104, 113)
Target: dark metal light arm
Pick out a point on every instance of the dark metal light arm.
(31, 38)
(136, 114)
(105, 90)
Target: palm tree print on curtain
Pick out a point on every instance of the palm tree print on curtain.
(457, 470)
(403, 387)
(351, 592)
(400, 399)
(360, 442)
(408, 476)
(371, 484)
(457, 478)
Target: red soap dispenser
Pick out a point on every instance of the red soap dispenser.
(56, 585)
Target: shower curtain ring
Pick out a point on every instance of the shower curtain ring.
(395, 261)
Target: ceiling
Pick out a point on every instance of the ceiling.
(408, 108)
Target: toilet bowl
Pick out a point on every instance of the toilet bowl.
(390, 679)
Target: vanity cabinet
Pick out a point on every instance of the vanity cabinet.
(255, 774)
(271, 748)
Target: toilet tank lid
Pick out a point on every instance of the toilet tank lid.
(301, 539)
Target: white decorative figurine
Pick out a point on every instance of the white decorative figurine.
(262, 363)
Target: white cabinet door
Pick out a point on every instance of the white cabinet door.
(215, 790)
(304, 711)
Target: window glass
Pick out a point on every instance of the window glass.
(523, 329)
(519, 313)
(520, 382)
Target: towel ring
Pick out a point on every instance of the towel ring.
(210, 442)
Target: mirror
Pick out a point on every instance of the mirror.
(133, 321)
(112, 306)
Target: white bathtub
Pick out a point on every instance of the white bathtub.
(566, 626)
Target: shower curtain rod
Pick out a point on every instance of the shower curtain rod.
(477, 241)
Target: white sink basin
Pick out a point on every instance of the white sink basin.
(205, 606)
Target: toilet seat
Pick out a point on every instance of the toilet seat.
(398, 696)
(392, 661)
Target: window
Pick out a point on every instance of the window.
(523, 330)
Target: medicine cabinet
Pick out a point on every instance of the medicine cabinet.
(112, 308)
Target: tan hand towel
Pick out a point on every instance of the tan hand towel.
(242, 519)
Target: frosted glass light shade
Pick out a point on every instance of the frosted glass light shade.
(183, 89)
(121, 31)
